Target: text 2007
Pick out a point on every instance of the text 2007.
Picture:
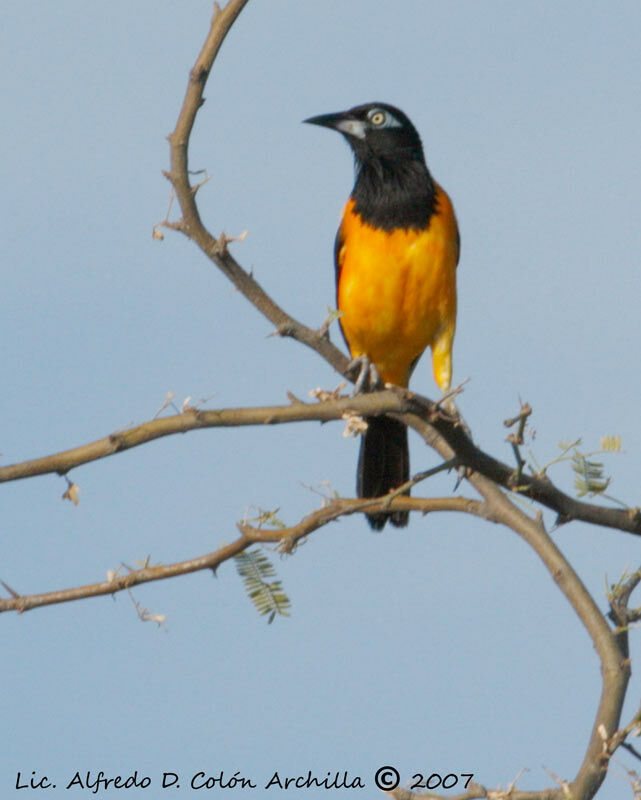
(435, 780)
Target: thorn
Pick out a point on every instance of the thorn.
(332, 315)
(166, 402)
(323, 395)
(220, 247)
(194, 189)
(461, 472)
(112, 574)
(284, 329)
(13, 593)
(453, 392)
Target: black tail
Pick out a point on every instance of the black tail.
(383, 464)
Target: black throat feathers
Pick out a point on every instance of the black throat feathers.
(392, 193)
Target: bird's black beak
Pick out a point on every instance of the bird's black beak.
(344, 122)
(327, 120)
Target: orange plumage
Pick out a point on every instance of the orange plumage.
(397, 292)
(396, 253)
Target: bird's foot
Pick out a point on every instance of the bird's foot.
(368, 379)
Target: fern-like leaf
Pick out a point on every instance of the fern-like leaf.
(611, 444)
(588, 476)
(268, 597)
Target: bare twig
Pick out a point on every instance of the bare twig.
(516, 439)
(412, 409)
(615, 668)
(286, 537)
(193, 419)
(191, 224)
(443, 432)
(631, 749)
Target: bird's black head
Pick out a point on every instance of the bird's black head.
(375, 131)
(393, 187)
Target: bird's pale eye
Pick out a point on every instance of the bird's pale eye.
(377, 118)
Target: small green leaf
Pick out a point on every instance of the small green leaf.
(588, 476)
(268, 597)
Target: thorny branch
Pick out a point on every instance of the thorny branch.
(286, 538)
(444, 433)
(191, 224)
(410, 408)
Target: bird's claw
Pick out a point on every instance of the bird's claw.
(461, 474)
(368, 378)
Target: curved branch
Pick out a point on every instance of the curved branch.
(444, 433)
(191, 224)
(193, 419)
(536, 488)
(451, 440)
(615, 667)
(417, 412)
(286, 538)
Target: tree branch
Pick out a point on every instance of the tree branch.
(444, 432)
(420, 413)
(193, 419)
(615, 667)
(286, 538)
(536, 488)
(191, 224)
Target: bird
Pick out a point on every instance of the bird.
(395, 253)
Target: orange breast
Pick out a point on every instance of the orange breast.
(397, 292)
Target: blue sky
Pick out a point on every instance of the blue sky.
(442, 648)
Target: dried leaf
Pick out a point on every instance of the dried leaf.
(72, 493)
